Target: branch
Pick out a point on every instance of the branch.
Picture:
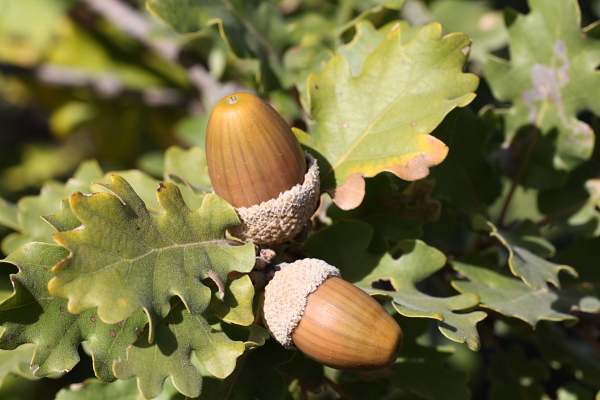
(140, 28)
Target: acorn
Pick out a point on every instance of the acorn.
(309, 307)
(256, 163)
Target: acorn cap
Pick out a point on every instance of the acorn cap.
(308, 306)
(252, 153)
(280, 219)
(286, 294)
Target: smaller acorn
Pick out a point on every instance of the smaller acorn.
(309, 307)
(256, 163)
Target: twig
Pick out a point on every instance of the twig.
(138, 27)
(335, 386)
(519, 176)
(550, 218)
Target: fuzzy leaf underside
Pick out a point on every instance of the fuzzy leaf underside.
(124, 259)
(550, 78)
(381, 120)
(417, 262)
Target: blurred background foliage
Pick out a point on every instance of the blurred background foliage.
(107, 80)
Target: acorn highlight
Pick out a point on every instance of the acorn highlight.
(256, 163)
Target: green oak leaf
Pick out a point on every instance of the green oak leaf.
(381, 120)
(583, 297)
(368, 38)
(142, 184)
(251, 29)
(523, 204)
(64, 219)
(482, 23)
(235, 306)
(17, 362)
(466, 178)
(509, 296)
(524, 263)
(176, 337)
(344, 245)
(190, 165)
(574, 206)
(514, 376)
(28, 224)
(584, 256)
(9, 214)
(123, 258)
(256, 376)
(552, 62)
(32, 315)
(418, 261)
(121, 390)
(188, 169)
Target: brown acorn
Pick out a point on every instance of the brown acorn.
(308, 306)
(252, 153)
(256, 163)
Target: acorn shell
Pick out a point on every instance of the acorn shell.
(280, 219)
(308, 306)
(345, 328)
(252, 153)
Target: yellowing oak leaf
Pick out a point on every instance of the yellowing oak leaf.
(381, 120)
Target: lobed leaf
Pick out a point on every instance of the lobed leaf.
(481, 22)
(28, 224)
(417, 262)
(344, 245)
(189, 169)
(176, 337)
(31, 315)
(381, 120)
(122, 390)
(256, 376)
(123, 258)
(16, 362)
(251, 29)
(367, 39)
(575, 205)
(509, 296)
(532, 269)
(467, 178)
(552, 63)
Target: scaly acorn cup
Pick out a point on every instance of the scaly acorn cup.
(308, 306)
(256, 163)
